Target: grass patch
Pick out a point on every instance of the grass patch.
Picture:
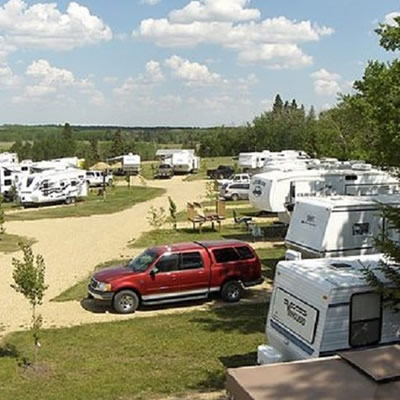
(148, 169)
(9, 243)
(136, 359)
(269, 259)
(117, 199)
(79, 290)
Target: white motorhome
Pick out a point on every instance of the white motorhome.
(321, 306)
(52, 187)
(276, 191)
(338, 226)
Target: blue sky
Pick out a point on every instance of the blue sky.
(179, 62)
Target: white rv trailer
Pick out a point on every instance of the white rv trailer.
(52, 187)
(8, 158)
(185, 162)
(321, 306)
(9, 175)
(130, 164)
(339, 226)
(252, 161)
(276, 191)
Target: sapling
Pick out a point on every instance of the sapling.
(28, 276)
(2, 228)
(156, 217)
(172, 212)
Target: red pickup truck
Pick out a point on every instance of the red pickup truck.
(180, 272)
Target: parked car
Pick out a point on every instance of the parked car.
(221, 172)
(236, 178)
(98, 178)
(164, 171)
(235, 191)
(180, 272)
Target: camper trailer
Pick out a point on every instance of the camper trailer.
(130, 164)
(321, 306)
(52, 187)
(8, 158)
(252, 161)
(338, 226)
(276, 191)
(9, 174)
(185, 162)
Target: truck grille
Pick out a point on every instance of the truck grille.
(93, 283)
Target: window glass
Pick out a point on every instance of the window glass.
(360, 229)
(225, 255)
(235, 186)
(143, 261)
(191, 260)
(245, 253)
(246, 186)
(365, 319)
(351, 177)
(168, 263)
(7, 172)
(7, 182)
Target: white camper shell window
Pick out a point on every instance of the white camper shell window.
(365, 319)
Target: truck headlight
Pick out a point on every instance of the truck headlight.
(103, 287)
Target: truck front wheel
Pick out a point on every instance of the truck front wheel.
(126, 302)
(231, 291)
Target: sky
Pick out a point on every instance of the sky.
(180, 62)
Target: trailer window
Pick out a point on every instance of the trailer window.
(351, 177)
(365, 319)
(7, 172)
(360, 229)
(245, 253)
(191, 260)
(8, 182)
(225, 255)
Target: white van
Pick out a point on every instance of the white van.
(321, 306)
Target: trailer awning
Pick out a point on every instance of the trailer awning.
(356, 375)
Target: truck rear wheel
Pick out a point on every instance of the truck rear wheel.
(235, 197)
(126, 302)
(231, 291)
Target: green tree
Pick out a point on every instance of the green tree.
(118, 145)
(28, 276)
(67, 145)
(378, 97)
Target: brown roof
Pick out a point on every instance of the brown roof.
(333, 378)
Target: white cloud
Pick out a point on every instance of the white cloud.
(150, 2)
(7, 77)
(272, 42)
(215, 10)
(326, 83)
(389, 18)
(153, 75)
(153, 71)
(193, 73)
(42, 25)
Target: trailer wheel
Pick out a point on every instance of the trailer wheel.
(70, 200)
(231, 291)
(126, 302)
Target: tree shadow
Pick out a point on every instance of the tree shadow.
(8, 350)
(242, 318)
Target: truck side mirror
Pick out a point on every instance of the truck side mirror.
(154, 271)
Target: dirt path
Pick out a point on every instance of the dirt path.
(72, 247)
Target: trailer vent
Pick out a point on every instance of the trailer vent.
(340, 266)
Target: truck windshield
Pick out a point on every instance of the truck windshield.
(142, 262)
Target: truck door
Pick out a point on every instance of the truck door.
(164, 281)
(194, 273)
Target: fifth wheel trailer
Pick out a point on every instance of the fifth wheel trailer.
(276, 191)
(321, 306)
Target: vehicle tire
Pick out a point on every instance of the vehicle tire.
(70, 200)
(235, 197)
(220, 176)
(231, 291)
(126, 302)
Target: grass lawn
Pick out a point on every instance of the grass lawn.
(9, 243)
(79, 290)
(148, 169)
(117, 199)
(269, 258)
(209, 163)
(135, 359)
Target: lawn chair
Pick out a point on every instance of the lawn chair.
(256, 231)
(242, 220)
